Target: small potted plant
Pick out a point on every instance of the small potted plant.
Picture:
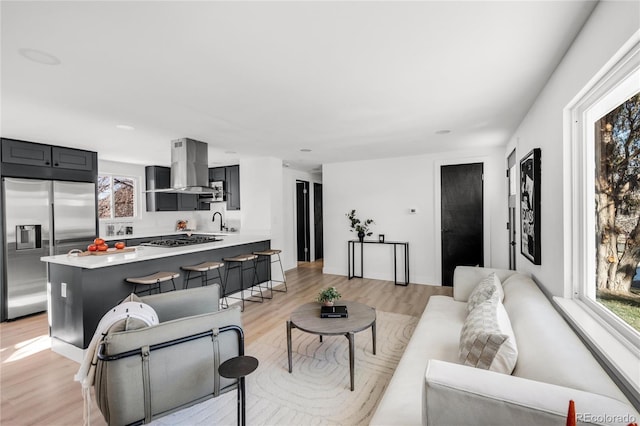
(359, 227)
(328, 296)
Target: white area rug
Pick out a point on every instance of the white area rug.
(317, 392)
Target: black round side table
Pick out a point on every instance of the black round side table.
(237, 368)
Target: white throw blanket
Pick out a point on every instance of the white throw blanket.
(86, 373)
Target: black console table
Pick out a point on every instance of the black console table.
(351, 251)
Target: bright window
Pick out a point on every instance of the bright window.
(605, 202)
(617, 210)
(116, 197)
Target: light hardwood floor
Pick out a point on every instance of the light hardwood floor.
(37, 387)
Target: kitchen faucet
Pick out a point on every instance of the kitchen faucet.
(213, 219)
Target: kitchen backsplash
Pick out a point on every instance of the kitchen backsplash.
(161, 223)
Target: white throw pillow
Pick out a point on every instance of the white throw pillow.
(487, 289)
(487, 340)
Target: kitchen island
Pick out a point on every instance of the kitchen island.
(83, 288)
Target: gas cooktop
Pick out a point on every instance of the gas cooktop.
(182, 241)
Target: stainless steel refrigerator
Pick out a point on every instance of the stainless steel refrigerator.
(42, 218)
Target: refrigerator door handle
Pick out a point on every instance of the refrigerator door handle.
(52, 227)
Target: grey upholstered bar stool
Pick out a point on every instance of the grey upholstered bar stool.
(244, 262)
(153, 281)
(267, 256)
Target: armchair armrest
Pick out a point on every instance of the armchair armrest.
(458, 394)
(171, 330)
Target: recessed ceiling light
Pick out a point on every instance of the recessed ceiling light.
(39, 56)
(230, 152)
(125, 127)
(443, 132)
(305, 150)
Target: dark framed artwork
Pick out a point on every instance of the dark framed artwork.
(530, 206)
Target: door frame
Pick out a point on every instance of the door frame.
(512, 215)
(307, 217)
(318, 225)
(437, 205)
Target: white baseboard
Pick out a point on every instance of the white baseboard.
(67, 350)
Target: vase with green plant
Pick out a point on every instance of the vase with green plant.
(328, 296)
(359, 227)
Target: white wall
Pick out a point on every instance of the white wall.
(260, 192)
(384, 190)
(609, 27)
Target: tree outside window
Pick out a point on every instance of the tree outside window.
(116, 197)
(617, 193)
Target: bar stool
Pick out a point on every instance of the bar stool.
(267, 255)
(240, 262)
(153, 281)
(203, 268)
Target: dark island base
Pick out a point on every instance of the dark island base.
(92, 292)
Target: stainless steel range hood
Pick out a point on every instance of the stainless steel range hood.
(189, 165)
(189, 168)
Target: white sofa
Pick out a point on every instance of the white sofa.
(430, 385)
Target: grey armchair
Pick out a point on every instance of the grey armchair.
(149, 372)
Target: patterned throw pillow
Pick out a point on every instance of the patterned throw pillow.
(487, 340)
(487, 289)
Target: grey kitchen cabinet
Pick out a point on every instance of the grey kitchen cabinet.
(233, 187)
(230, 175)
(33, 160)
(159, 177)
(68, 158)
(26, 153)
(37, 154)
(188, 202)
(217, 174)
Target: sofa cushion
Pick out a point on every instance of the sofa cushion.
(437, 336)
(486, 289)
(487, 340)
(549, 350)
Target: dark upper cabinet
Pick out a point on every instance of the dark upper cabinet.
(230, 175)
(40, 161)
(188, 202)
(36, 154)
(67, 158)
(158, 177)
(233, 187)
(217, 174)
(26, 153)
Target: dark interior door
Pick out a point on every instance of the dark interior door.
(462, 221)
(302, 218)
(317, 219)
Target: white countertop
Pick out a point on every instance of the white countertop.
(143, 253)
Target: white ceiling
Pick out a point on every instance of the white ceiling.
(348, 80)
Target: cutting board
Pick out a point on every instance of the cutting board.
(108, 252)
